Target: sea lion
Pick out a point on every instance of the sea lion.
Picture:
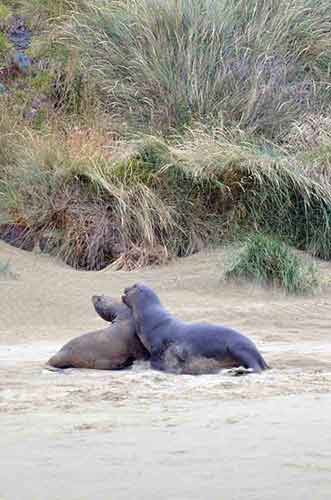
(192, 348)
(111, 348)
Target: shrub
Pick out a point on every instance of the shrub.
(269, 261)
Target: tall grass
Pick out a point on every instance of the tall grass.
(256, 65)
(43, 13)
(93, 206)
(269, 262)
(223, 107)
(99, 209)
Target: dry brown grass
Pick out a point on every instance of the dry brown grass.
(88, 143)
(139, 257)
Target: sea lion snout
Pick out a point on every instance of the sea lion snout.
(107, 307)
(129, 292)
(131, 288)
(96, 299)
(125, 300)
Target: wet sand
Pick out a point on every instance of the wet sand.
(138, 433)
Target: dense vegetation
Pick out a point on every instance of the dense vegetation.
(146, 129)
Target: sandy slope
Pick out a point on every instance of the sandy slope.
(142, 434)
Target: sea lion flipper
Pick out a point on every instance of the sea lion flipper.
(58, 362)
(52, 368)
(248, 357)
(157, 363)
(172, 360)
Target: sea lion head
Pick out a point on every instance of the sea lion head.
(110, 309)
(139, 295)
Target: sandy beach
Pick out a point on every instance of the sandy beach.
(141, 434)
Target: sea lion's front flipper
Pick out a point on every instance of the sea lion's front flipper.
(51, 368)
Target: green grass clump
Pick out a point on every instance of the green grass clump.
(269, 261)
(299, 212)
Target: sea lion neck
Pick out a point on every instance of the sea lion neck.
(147, 320)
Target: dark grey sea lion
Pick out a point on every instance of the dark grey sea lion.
(180, 347)
(111, 348)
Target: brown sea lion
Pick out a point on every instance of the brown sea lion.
(192, 348)
(111, 348)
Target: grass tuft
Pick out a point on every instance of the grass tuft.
(270, 262)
